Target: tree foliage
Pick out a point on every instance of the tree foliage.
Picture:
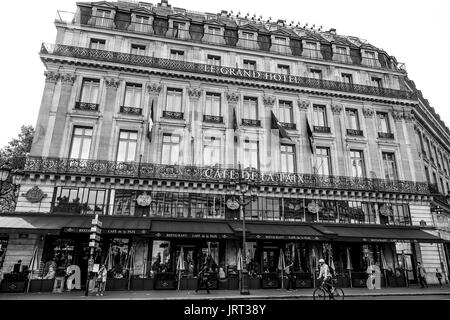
(18, 148)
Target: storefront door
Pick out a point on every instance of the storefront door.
(269, 259)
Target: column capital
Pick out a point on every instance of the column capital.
(68, 78)
(154, 88)
(303, 104)
(194, 93)
(397, 115)
(51, 76)
(408, 116)
(232, 97)
(268, 101)
(112, 83)
(336, 108)
(368, 113)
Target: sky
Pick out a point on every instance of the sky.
(416, 32)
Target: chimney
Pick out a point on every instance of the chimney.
(224, 13)
(164, 3)
(280, 22)
(332, 31)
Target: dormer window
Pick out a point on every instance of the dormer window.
(340, 54)
(97, 44)
(176, 54)
(311, 50)
(103, 18)
(247, 39)
(214, 31)
(280, 45)
(137, 49)
(370, 59)
(280, 41)
(179, 29)
(248, 35)
(141, 23)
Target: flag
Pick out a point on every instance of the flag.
(349, 260)
(150, 124)
(277, 125)
(235, 124)
(383, 261)
(310, 136)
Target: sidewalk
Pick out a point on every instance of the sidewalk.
(264, 294)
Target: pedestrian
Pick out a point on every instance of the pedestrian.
(422, 275)
(289, 270)
(203, 277)
(439, 277)
(101, 280)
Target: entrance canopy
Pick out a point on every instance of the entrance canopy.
(376, 234)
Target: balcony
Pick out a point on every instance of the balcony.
(212, 119)
(131, 110)
(251, 123)
(288, 125)
(321, 129)
(223, 175)
(224, 71)
(386, 135)
(355, 132)
(86, 106)
(173, 115)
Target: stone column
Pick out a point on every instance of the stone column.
(273, 141)
(416, 163)
(106, 146)
(152, 149)
(232, 138)
(404, 143)
(51, 78)
(341, 145)
(67, 80)
(194, 121)
(373, 164)
(304, 154)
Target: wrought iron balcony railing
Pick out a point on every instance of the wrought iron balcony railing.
(385, 135)
(288, 125)
(86, 106)
(251, 123)
(212, 119)
(173, 115)
(355, 132)
(258, 43)
(217, 175)
(321, 129)
(131, 110)
(230, 72)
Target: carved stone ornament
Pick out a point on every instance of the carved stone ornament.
(336, 108)
(154, 88)
(68, 78)
(232, 204)
(313, 207)
(368, 113)
(408, 116)
(269, 101)
(397, 115)
(51, 76)
(232, 97)
(194, 93)
(385, 211)
(34, 195)
(144, 200)
(303, 104)
(112, 83)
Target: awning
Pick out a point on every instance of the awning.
(191, 229)
(376, 234)
(41, 224)
(272, 231)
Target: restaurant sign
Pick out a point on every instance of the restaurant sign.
(189, 235)
(105, 231)
(284, 237)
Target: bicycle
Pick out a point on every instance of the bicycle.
(321, 292)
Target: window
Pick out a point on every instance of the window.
(251, 151)
(174, 99)
(213, 105)
(283, 69)
(311, 49)
(97, 44)
(81, 143)
(341, 54)
(352, 117)
(323, 161)
(178, 29)
(170, 149)
(320, 116)
(442, 186)
(288, 158)
(250, 108)
(390, 167)
(383, 122)
(133, 94)
(103, 18)
(176, 54)
(280, 41)
(141, 23)
(347, 78)
(370, 58)
(357, 163)
(285, 112)
(214, 31)
(434, 178)
(248, 35)
(126, 150)
(80, 200)
(250, 65)
(137, 49)
(420, 142)
(211, 151)
(214, 60)
(377, 82)
(315, 74)
(89, 90)
(427, 174)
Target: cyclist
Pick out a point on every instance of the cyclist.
(325, 273)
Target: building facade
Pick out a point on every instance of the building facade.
(155, 118)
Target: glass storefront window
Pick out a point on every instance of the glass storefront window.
(117, 260)
(80, 200)
(3, 246)
(160, 257)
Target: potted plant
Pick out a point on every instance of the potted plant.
(303, 280)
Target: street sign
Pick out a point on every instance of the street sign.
(96, 229)
(94, 237)
(93, 244)
(96, 222)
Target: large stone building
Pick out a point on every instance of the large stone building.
(158, 119)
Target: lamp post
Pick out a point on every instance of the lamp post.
(242, 186)
(5, 170)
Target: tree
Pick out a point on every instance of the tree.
(18, 148)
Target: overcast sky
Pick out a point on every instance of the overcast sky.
(416, 32)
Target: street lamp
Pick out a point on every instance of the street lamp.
(243, 186)
(5, 170)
